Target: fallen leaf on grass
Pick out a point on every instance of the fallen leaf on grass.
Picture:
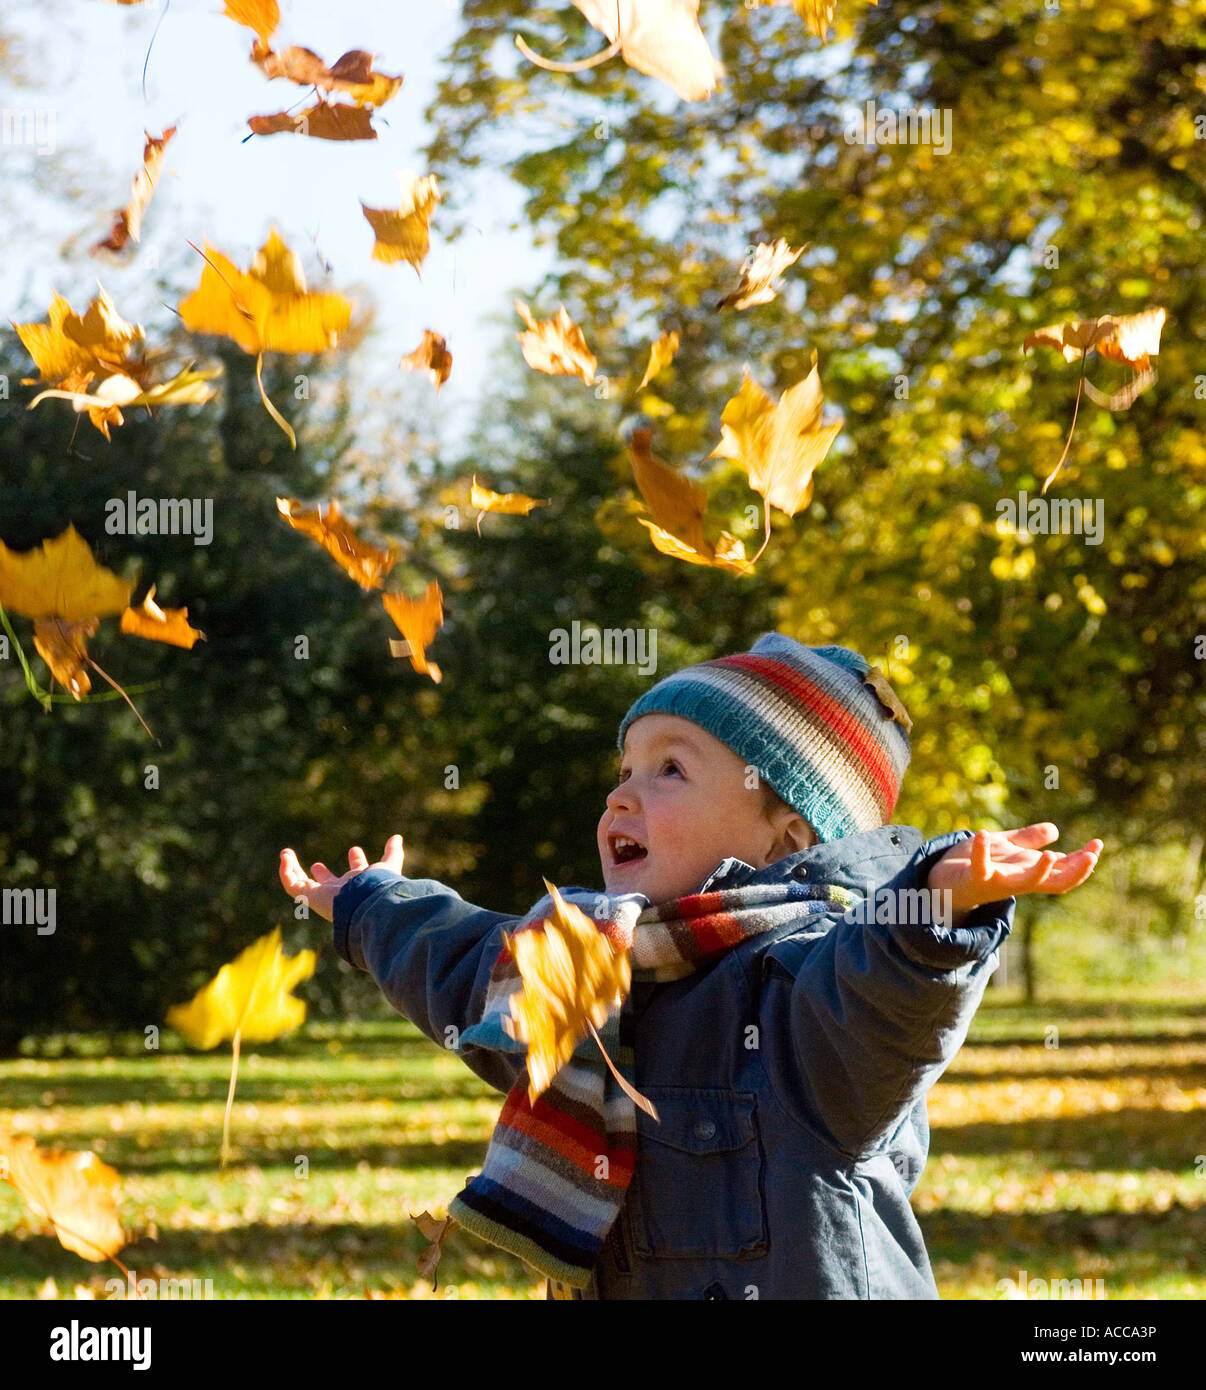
(75, 1192)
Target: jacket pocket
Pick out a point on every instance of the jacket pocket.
(697, 1189)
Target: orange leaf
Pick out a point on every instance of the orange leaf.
(403, 233)
(367, 564)
(1133, 339)
(261, 15)
(661, 354)
(351, 74)
(60, 579)
(160, 625)
(766, 264)
(507, 503)
(678, 504)
(62, 645)
(75, 1192)
(417, 620)
(556, 346)
(431, 356)
(128, 226)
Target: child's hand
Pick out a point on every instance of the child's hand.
(1000, 864)
(320, 890)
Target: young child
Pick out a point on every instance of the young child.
(788, 1011)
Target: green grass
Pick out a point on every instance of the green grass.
(1076, 1160)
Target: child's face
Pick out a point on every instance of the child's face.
(682, 796)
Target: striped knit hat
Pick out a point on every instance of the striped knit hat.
(823, 728)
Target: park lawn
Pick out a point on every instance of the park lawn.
(1078, 1154)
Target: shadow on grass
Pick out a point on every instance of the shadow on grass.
(1130, 1137)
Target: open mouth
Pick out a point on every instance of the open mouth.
(625, 850)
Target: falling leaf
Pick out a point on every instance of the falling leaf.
(817, 14)
(417, 620)
(678, 505)
(266, 309)
(403, 233)
(75, 1192)
(128, 226)
(248, 1000)
(431, 356)
(572, 978)
(660, 38)
(367, 564)
(508, 503)
(556, 346)
(322, 121)
(160, 625)
(261, 15)
(434, 1230)
(75, 347)
(1132, 339)
(104, 405)
(661, 354)
(249, 996)
(352, 74)
(766, 264)
(63, 646)
(60, 579)
(778, 445)
(878, 682)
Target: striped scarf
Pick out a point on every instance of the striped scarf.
(556, 1172)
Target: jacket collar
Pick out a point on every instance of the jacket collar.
(846, 861)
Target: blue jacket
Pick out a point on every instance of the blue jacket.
(790, 1074)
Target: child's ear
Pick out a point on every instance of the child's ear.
(793, 834)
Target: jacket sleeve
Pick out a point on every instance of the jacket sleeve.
(431, 954)
(865, 1017)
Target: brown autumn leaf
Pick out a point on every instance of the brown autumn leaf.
(506, 503)
(261, 15)
(434, 1230)
(678, 504)
(404, 233)
(352, 74)
(128, 226)
(660, 38)
(325, 120)
(878, 681)
(75, 1192)
(417, 620)
(778, 444)
(768, 262)
(367, 564)
(1132, 339)
(157, 624)
(556, 346)
(431, 356)
(661, 354)
(265, 309)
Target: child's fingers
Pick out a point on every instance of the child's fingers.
(981, 857)
(357, 859)
(1072, 871)
(1033, 836)
(321, 873)
(394, 853)
(292, 878)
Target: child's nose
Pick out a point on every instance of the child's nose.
(621, 798)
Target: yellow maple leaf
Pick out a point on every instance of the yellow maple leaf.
(265, 309)
(367, 564)
(157, 624)
(768, 262)
(678, 504)
(661, 354)
(573, 976)
(60, 579)
(75, 1192)
(249, 997)
(507, 503)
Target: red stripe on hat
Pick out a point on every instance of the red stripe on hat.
(843, 723)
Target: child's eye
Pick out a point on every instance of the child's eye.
(671, 763)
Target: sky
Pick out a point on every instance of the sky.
(78, 66)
